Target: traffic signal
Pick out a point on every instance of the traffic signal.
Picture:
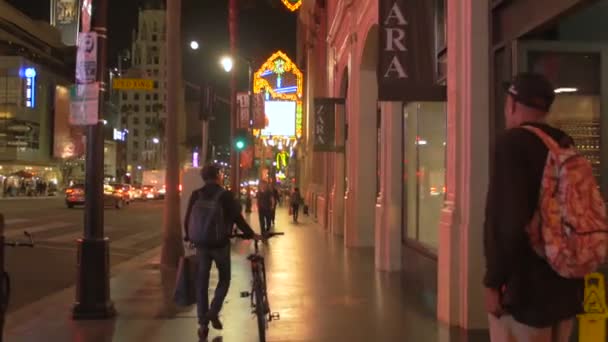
(242, 139)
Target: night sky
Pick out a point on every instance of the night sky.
(264, 27)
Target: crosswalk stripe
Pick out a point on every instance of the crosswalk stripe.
(15, 221)
(73, 236)
(131, 240)
(36, 229)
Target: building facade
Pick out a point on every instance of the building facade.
(412, 177)
(144, 111)
(35, 70)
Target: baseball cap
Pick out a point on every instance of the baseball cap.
(532, 89)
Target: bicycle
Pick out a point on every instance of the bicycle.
(5, 285)
(258, 294)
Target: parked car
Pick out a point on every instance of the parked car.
(75, 196)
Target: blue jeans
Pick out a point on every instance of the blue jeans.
(221, 257)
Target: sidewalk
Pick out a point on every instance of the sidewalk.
(323, 293)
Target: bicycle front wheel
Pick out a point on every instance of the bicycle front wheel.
(260, 311)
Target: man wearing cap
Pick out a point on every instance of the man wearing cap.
(526, 300)
(219, 254)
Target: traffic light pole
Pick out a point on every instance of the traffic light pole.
(93, 273)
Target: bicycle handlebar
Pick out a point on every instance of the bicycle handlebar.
(265, 236)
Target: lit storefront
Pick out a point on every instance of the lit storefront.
(408, 174)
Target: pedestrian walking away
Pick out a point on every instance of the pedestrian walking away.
(294, 202)
(265, 205)
(277, 200)
(531, 293)
(210, 216)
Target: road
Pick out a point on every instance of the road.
(51, 265)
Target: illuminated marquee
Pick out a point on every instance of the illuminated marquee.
(279, 79)
(292, 5)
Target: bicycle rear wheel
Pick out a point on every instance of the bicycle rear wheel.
(260, 308)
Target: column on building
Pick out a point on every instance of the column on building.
(460, 256)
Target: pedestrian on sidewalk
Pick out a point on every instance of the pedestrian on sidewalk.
(276, 201)
(265, 205)
(295, 201)
(210, 216)
(527, 300)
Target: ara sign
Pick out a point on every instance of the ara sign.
(29, 77)
(406, 55)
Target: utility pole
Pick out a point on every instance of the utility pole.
(172, 248)
(233, 15)
(93, 278)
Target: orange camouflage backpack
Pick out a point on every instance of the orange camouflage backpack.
(569, 229)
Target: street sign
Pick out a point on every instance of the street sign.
(84, 104)
(133, 84)
(324, 130)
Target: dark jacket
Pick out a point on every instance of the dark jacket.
(534, 294)
(265, 200)
(232, 209)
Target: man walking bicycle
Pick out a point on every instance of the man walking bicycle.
(211, 214)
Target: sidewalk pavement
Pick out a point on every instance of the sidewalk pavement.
(323, 292)
(17, 198)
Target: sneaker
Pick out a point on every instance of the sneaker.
(203, 332)
(215, 322)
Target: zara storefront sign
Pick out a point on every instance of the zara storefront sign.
(406, 55)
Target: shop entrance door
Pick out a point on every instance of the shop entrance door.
(579, 73)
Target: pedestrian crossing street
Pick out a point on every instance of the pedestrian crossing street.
(58, 231)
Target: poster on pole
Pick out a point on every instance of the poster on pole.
(259, 114)
(84, 96)
(242, 100)
(86, 58)
(84, 104)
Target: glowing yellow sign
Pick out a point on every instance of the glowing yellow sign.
(280, 67)
(292, 5)
(592, 324)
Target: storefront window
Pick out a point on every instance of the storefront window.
(576, 110)
(424, 170)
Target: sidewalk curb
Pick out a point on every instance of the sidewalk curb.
(57, 300)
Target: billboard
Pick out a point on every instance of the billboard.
(68, 140)
(65, 15)
(280, 118)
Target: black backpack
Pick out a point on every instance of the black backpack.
(206, 224)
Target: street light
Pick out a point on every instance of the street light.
(227, 63)
(155, 140)
(194, 45)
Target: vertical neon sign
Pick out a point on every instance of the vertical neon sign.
(29, 74)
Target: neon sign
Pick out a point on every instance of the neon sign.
(280, 79)
(29, 74)
(292, 5)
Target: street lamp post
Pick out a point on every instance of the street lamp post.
(228, 63)
(93, 275)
